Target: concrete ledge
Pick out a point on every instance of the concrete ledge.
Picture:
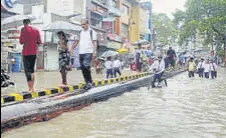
(21, 96)
(44, 109)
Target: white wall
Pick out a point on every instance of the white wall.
(144, 18)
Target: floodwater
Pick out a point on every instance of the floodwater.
(187, 108)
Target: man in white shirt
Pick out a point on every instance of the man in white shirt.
(213, 69)
(87, 51)
(201, 67)
(206, 69)
(158, 67)
(116, 67)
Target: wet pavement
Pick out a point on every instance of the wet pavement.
(187, 108)
(52, 79)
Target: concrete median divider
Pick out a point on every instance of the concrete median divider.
(19, 97)
(37, 110)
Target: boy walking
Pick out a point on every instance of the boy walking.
(109, 67)
(116, 67)
(206, 69)
(213, 69)
(201, 67)
(191, 67)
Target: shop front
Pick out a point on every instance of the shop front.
(114, 42)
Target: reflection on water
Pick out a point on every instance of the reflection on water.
(188, 108)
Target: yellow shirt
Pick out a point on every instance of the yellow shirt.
(191, 66)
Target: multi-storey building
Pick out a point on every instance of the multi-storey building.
(117, 23)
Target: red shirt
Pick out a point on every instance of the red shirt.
(29, 37)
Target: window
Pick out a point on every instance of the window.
(38, 12)
(96, 20)
(125, 10)
(125, 30)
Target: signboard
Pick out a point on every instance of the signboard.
(114, 37)
(11, 6)
(108, 26)
(101, 37)
(98, 9)
(114, 45)
(10, 3)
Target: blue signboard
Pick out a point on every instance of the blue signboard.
(10, 3)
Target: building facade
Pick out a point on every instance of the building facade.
(118, 23)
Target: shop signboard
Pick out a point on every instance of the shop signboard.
(108, 26)
(11, 6)
(101, 37)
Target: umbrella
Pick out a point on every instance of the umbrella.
(147, 53)
(188, 55)
(122, 51)
(62, 26)
(15, 21)
(109, 54)
(142, 42)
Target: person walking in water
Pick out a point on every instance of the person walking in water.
(171, 57)
(206, 69)
(87, 51)
(29, 38)
(201, 67)
(64, 57)
(213, 69)
(116, 67)
(191, 67)
(109, 67)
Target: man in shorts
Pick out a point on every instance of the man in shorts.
(29, 38)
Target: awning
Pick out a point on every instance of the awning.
(67, 14)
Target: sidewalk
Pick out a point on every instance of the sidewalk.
(46, 80)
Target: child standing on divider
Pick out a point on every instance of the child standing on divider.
(109, 67)
(116, 67)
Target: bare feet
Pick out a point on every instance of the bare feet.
(62, 85)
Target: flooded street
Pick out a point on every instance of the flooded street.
(187, 108)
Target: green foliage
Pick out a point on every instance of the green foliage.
(208, 17)
(166, 31)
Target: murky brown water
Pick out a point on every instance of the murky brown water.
(188, 108)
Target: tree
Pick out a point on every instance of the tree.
(208, 17)
(166, 31)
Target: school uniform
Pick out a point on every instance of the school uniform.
(109, 68)
(213, 70)
(201, 68)
(116, 67)
(206, 70)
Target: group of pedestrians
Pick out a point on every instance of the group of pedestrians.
(113, 67)
(205, 68)
(86, 43)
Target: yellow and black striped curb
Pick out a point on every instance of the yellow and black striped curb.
(27, 95)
